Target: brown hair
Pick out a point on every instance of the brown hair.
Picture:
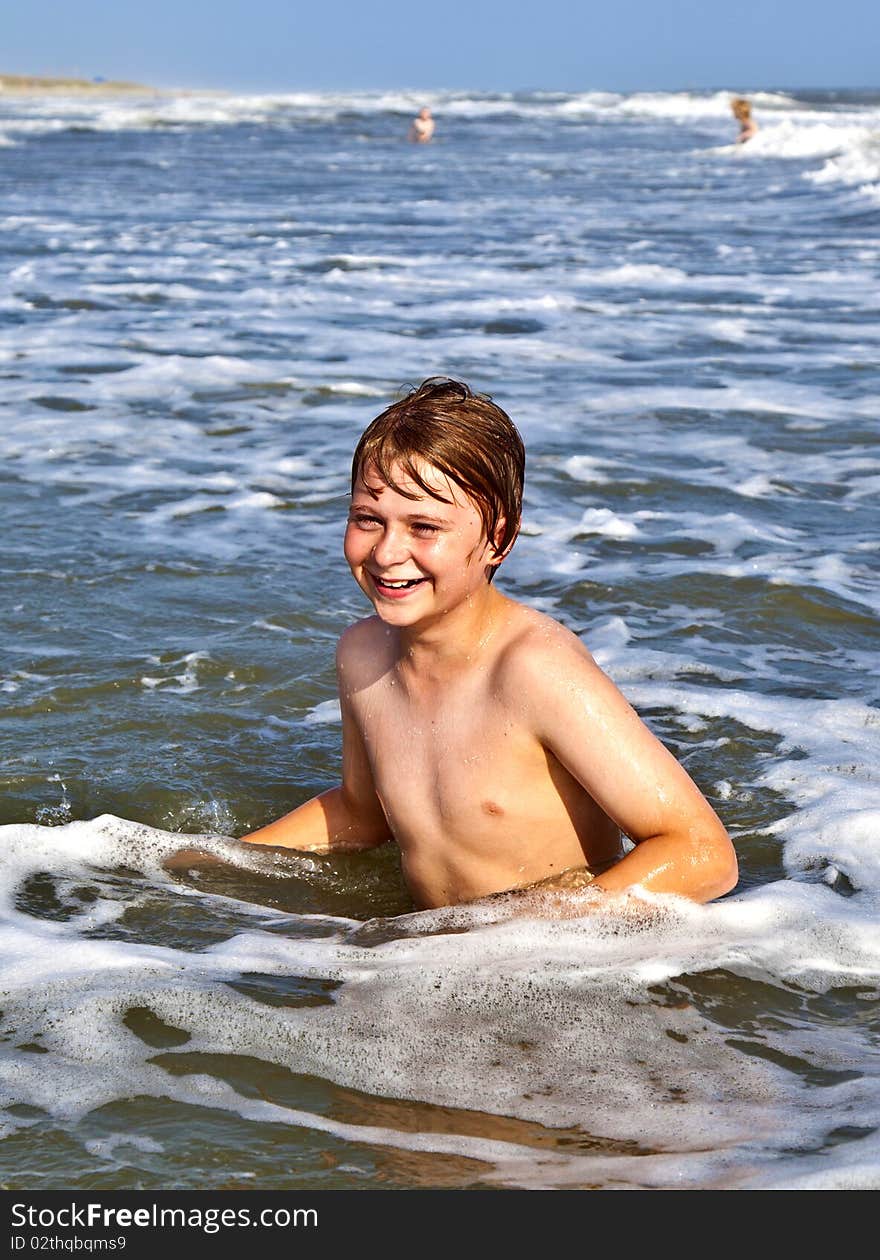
(741, 107)
(463, 435)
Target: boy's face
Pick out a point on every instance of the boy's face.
(415, 558)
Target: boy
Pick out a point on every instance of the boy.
(742, 112)
(421, 128)
(477, 733)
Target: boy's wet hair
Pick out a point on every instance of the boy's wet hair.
(463, 435)
(741, 107)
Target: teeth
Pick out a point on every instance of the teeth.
(399, 585)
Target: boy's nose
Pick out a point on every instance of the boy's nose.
(391, 549)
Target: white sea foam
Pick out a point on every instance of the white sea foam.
(858, 164)
(684, 106)
(326, 711)
(791, 139)
(109, 1148)
(485, 999)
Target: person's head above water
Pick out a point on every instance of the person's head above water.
(741, 108)
(465, 436)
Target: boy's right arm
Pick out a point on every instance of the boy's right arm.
(329, 823)
(344, 819)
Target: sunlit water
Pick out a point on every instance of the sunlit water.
(203, 302)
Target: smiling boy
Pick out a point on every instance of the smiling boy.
(477, 733)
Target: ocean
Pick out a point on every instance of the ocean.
(205, 298)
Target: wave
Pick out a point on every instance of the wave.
(198, 109)
(693, 105)
(851, 149)
(858, 166)
(506, 1017)
(792, 139)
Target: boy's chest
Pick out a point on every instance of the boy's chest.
(458, 751)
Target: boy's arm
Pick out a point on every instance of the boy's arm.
(344, 819)
(681, 846)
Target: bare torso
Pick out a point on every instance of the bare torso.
(747, 128)
(422, 128)
(475, 802)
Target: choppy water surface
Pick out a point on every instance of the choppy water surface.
(203, 301)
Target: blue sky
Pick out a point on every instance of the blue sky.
(569, 45)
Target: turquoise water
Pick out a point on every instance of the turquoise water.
(204, 301)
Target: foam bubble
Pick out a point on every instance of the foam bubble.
(487, 983)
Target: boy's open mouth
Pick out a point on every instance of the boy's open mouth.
(389, 586)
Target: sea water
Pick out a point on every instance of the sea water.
(204, 299)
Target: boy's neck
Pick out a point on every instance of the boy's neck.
(455, 639)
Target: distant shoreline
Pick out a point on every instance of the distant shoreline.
(40, 85)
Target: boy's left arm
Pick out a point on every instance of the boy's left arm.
(681, 846)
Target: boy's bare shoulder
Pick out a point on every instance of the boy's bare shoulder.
(532, 632)
(539, 653)
(362, 648)
(548, 679)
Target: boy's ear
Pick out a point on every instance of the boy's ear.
(499, 533)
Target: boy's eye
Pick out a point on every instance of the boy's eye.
(425, 527)
(364, 521)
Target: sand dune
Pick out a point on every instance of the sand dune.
(31, 84)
